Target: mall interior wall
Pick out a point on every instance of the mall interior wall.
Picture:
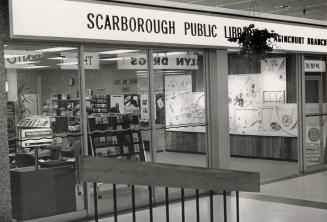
(5, 196)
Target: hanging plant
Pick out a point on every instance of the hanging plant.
(255, 43)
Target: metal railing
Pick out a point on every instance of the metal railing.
(105, 170)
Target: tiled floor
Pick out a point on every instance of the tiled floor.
(311, 187)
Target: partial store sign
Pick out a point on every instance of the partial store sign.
(99, 21)
(160, 61)
(314, 66)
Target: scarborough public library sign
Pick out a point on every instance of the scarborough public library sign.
(100, 21)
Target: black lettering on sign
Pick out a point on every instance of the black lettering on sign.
(133, 61)
(180, 61)
(200, 30)
(142, 61)
(98, 23)
(90, 16)
(164, 61)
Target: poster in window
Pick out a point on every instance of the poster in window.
(185, 110)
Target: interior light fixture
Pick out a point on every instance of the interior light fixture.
(6, 86)
(57, 58)
(5, 45)
(67, 63)
(55, 49)
(35, 67)
(169, 53)
(168, 71)
(118, 51)
(279, 6)
(115, 59)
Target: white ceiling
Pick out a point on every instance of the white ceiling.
(310, 9)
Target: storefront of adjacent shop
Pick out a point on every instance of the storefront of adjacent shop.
(79, 80)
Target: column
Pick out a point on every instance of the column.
(5, 196)
(217, 105)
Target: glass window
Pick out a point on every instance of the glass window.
(315, 108)
(44, 125)
(118, 114)
(180, 110)
(263, 119)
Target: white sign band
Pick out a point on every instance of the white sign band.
(98, 21)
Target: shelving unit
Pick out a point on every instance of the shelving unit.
(100, 104)
(116, 136)
(66, 107)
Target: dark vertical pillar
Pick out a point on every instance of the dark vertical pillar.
(5, 196)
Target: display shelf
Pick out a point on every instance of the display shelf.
(112, 134)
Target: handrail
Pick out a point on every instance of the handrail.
(105, 170)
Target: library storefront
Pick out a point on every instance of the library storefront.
(149, 84)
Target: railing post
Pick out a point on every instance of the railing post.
(225, 207)
(133, 203)
(150, 204)
(237, 207)
(167, 204)
(115, 201)
(197, 205)
(211, 205)
(183, 204)
(95, 197)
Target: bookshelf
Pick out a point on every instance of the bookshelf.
(116, 136)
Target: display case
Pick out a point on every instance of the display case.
(34, 131)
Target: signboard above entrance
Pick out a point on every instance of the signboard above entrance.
(99, 21)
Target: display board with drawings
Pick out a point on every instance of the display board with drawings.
(257, 103)
(185, 109)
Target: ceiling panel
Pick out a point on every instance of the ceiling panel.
(311, 9)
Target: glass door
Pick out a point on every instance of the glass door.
(315, 109)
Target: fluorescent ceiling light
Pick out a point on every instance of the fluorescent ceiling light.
(170, 53)
(118, 51)
(5, 45)
(55, 49)
(27, 62)
(57, 58)
(35, 67)
(67, 63)
(12, 56)
(167, 71)
(233, 50)
(115, 59)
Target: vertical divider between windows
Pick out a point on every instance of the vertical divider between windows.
(83, 121)
(301, 113)
(152, 109)
(207, 106)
